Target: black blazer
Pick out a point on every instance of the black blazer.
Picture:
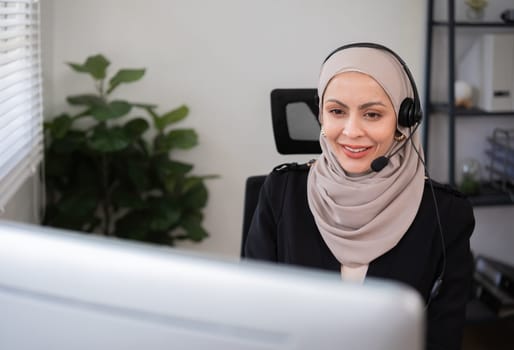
(283, 230)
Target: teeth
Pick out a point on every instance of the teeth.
(355, 150)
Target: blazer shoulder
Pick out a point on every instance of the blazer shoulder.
(285, 175)
(292, 167)
(444, 189)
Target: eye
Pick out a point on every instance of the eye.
(372, 115)
(335, 111)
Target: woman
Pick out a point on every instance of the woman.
(364, 207)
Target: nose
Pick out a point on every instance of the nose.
(352, 127)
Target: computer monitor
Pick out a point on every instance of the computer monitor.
(66, 290)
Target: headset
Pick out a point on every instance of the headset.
(409, 116)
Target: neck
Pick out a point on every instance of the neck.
(355, 175)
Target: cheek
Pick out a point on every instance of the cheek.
(384, 132)
(385, 138)
(331, 126)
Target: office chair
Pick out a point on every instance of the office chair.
(294, 115)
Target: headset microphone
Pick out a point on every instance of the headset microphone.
(381, 162)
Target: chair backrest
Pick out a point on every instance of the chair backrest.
(252, 190)
(294, 113)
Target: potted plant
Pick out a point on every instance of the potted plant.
(105, 174)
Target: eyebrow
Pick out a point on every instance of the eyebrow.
(362, 106)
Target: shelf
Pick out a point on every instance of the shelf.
(453, 28)
(491, 196)
(474, 24)
(471, 112)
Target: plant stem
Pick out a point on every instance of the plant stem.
(106, 203)
(100, 87)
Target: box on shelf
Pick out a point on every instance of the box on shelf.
(489, 66)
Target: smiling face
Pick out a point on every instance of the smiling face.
(358, 119)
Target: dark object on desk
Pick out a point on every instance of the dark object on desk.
(477, 311)
(497, 272)
(500, 302)
(508, 16)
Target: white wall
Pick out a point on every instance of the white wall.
(24, 205)
(222, 58)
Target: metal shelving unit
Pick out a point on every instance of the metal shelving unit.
(488, 194)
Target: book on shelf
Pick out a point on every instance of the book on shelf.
(500, 302)
(497, 272)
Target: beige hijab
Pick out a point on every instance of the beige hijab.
(362, 217)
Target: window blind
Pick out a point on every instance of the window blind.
(21, 117)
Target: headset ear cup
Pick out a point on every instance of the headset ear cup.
(406, 113)
(418, 113)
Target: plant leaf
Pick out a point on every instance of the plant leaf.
(170, 183)
(86, 100)
(137, 171)
(144, 105)
(60, 126)
(196, 197)
(113, 110)
(163, 214)
(57, 165)
(164, 167)
(134, 225)
(162, 144)
(191, 182)
(57, 219)
(125, 76)
(182, 138)
(126, 198)
(96, 66)
(108, 140)
(78, 204)
(171, 117)
(70, 142)
(136, 127)
(179, 167)
(193, 227)
(170, 173)
(86, 170)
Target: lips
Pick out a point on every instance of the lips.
(355, 151)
